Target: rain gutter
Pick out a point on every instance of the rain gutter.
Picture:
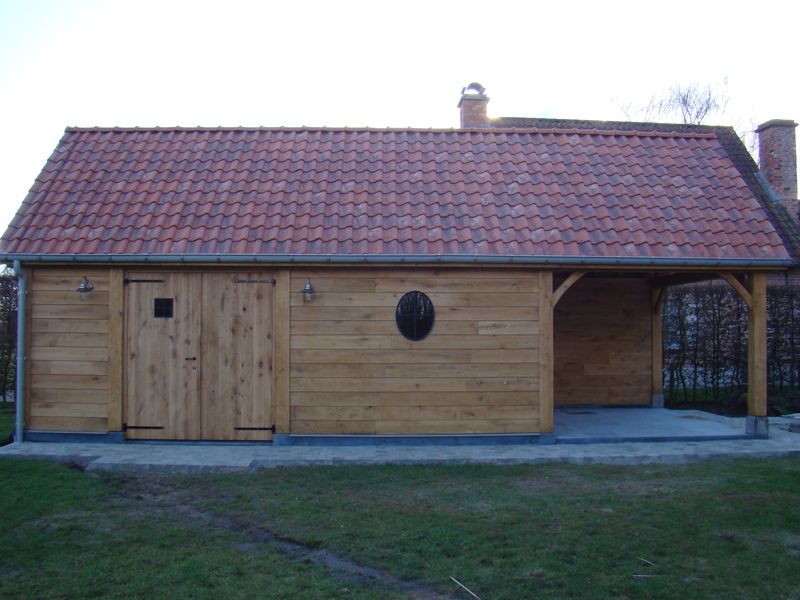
(480, 259)
(20, 382)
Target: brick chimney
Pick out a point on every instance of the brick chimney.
(777, 158)
(473, 106)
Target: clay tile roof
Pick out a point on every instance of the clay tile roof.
(538, 189)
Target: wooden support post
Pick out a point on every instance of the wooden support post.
(546, 352)
(657, 399)
(115, 345)
(757, 350)
(29, 275)
(280, 373)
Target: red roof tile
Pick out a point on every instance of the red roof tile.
(533, 193)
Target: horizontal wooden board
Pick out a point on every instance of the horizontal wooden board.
(383, 398)
(508, 327)
(68, 367)
(409, 384)
(310, 312)
(71, 273)
(68, 298)
(87, 424)
(69, 354)
(60, 283)
(71, 311)
(396, 341)
(507, 284)
(417, 355)
(458, 427)
(415, 427)
(452, 273)
(412, 413)
(68, 326)
(329, 283)
(68, 409)
(70, 340)
(413, 370)
(339, 327)
(66, 279)
(69, 395)
(439, 299)
(333, 427)
(615, 395)
(69, 382)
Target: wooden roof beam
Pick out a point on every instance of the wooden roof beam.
(565, 285)
(739, 287)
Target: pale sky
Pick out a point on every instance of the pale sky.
(398, 64)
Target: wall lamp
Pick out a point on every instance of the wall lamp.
(308, 291)
(84, 289)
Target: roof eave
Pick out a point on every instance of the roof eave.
(479, 259)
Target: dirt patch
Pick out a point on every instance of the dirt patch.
(182, 504)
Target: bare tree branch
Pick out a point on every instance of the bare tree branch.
(691, 104)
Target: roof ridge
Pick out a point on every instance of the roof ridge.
(489, 130)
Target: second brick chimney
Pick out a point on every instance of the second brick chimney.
(777, 159)
(473, 106)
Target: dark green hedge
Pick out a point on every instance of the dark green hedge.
(705, 342)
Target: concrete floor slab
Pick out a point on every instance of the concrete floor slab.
(625, 424)
(199, 458)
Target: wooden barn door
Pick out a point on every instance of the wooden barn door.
(199, 356)
(162, 382)
(237, 356)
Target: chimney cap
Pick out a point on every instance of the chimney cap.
(776, 123)
(473, 89)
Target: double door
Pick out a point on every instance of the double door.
(198, 356)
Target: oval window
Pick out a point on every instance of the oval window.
(414, 316)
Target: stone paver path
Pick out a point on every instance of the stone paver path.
(188, 457)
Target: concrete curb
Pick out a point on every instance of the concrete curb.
(238, 459)
(201, 458)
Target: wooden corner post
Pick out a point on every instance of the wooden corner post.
(546, 352)
(115, 347)
(280, 374)
(757, 354)
(657, 303)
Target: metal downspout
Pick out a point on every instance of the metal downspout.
(20, 392)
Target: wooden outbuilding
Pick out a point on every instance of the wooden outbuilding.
(274, 284)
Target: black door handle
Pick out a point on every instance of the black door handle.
(190, 358)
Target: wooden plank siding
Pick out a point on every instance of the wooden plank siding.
(69, 375)
(352, 372)
(602, 343)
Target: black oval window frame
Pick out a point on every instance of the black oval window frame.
(419, 319)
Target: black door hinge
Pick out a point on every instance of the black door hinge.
(272, 429)
(126, 427)
(126, 281)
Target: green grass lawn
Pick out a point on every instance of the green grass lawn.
(711, 530)
(6, 421)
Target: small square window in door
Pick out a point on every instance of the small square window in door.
(162, 308)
